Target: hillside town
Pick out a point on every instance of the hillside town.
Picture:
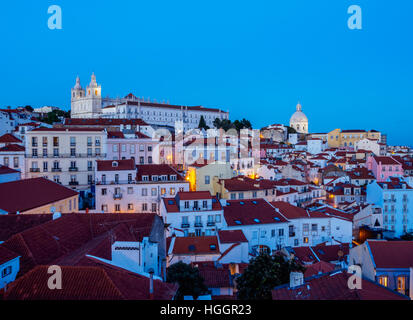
(132, 199)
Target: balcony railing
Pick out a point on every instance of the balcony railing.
(116, 182)
(56, 169)
(198, 224)
(73, 183)
(210, 223)
(73, 169)
(117, 196)
(34, 169)
(68, 155)
(185, 225)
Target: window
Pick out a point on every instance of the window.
(130, 206)
(306, 227)
(104, 207)
(401, 284)
(217, 218)
(254, 194)
(163, 191)
(6, 271)
(204, 204)
(153, 192)
(207, 179)
(144, 207)
(314, 227)
(153, 207)
(104, 192)
(233, 196)
(383, 280)
(117, 207)
(241, 195)
(149, 159)
(280, 232)
(89, 141)
(172, 191)
(55, 141)
(130, 190)
(305, 240)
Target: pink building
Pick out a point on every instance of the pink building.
(384, 167)
(135, 146)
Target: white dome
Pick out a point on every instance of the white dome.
(298, 116)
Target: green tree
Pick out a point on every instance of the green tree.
(263, 274)
(29, 108)
(202, 124)
(188, 278)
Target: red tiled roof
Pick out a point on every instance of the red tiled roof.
(116, 135)
(333, 286)
(67, 240)
(7, 170)
(196, 245)
(194, 195)
(99, 282)
(251, 212)
(231, 236)
(392, 254)
(116, 165)
(6, 255)
(157, 170)
(214, 277)
(9, 138)
(12, 147)
(386, 160)
(242, 183)
(318, 267)
(11, 224)
(24, 195)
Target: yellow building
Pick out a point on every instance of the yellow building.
(201, 176)
(38, 196)
(347, 138)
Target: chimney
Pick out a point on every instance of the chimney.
(151, 272)
(296, 279)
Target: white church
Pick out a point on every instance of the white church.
(88, 103)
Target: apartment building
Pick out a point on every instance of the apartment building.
(65, 155)
(192, 214)
(123, 187)
(395, 198)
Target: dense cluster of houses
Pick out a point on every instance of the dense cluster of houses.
(108, 202)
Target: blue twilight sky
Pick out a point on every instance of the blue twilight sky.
(253, 58)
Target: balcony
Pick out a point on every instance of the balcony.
(34, 169)
(198, 224)
(73, 169)
(117, 196)
(73, 183)
(185, 225)
(56, 169)
(291, 234)
(210, 223)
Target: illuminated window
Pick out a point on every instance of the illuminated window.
(383, 280)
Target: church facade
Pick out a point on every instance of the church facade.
(88, 103)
